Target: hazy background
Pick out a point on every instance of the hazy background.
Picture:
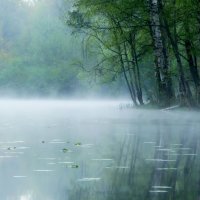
(40, 57)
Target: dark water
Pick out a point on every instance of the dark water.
(57, 150)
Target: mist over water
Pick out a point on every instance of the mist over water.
(51, 149)
(75, 144)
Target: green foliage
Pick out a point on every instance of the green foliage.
(123, 36)
(38, 53)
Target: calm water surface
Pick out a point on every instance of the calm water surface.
(56, 150)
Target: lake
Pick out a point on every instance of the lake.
(82, 150)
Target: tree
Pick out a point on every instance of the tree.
(121, 30)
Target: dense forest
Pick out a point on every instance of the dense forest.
(153, 43)
(147, 49)
(39, 53)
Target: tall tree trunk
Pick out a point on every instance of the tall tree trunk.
(132, 75)
(129, 83)
(133, 84)
(192, 60)
(160, 53)
(184, 90)
(157, 71)
(136, 68)
(198, 16)
(193, 67)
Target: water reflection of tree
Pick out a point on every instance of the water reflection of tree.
(163, 166)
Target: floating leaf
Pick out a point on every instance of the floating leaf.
(78, 144)
(65, 150)
(74, 166)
